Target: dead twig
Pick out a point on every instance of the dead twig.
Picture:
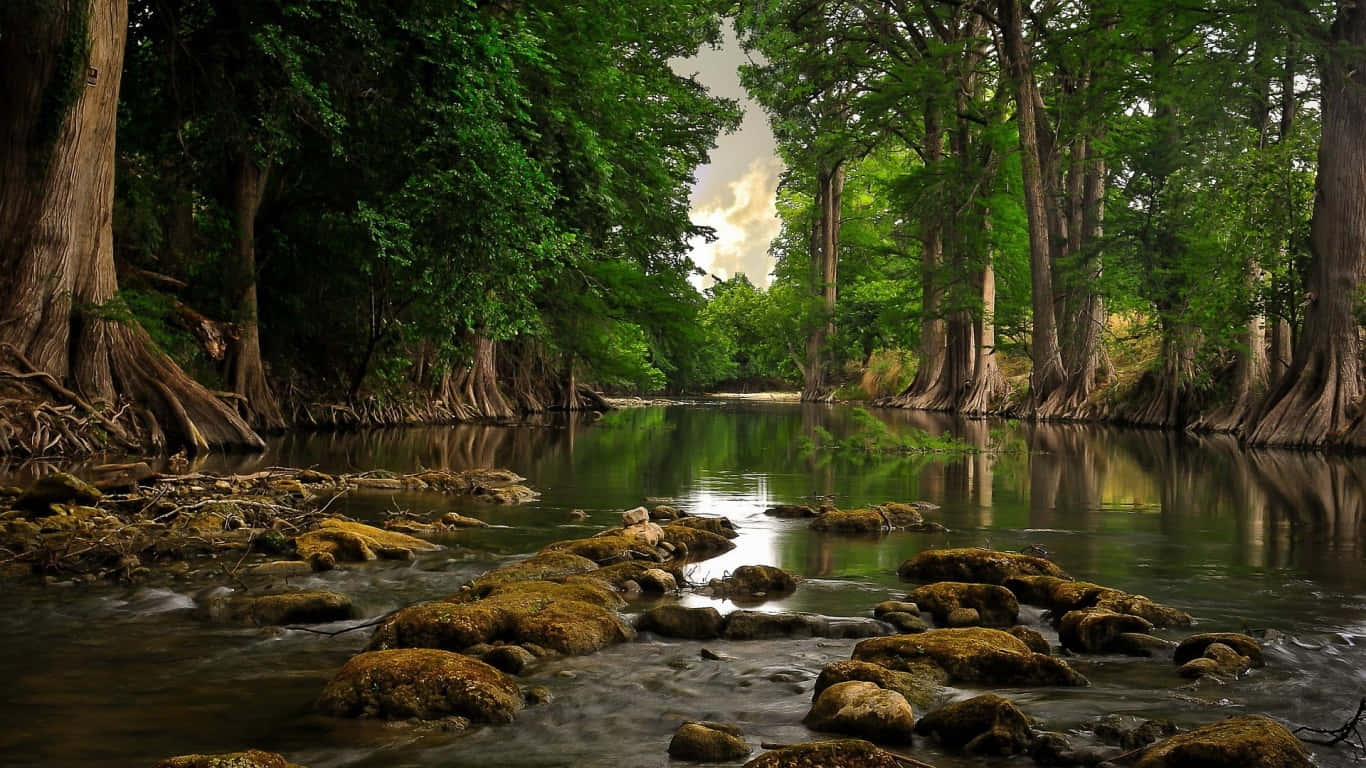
(1344, 732)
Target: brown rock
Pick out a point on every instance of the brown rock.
(970, 655)
(1095, 630)
(1238, 742)
(843, 753)
(984, 725)
(422, 683)
(920, 688)
(1031, 637)
(678, 621)
(252, 758)
(345, 540)
(708, 742)
(983, 566)
(1194, 647)
(995, 605)
(864, 710)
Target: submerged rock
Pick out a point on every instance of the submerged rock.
(1132, 732)
(862, 709)
(252, 758)
(717, 525)
(694, 543)
(1238, 742)
(920, 687)
(1096, 630)
(995, 605)
(542, 566)
(969, 655)
(303, 607)
(895, 606)
(708, 742)
(677, 621)
(1194, 647)
(56, 488)
(757, 625)
(843, 753)
(612, 548)
(1218, 659)
(1030, 637)
(791, 510)
(905, 623)
(881, 518)
(1062, 596)
(511, 659)
(347, 541)
(422, 683)
(983, 566)
(984, 725)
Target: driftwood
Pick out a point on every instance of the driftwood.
(1349, 732)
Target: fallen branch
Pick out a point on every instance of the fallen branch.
(1342, 733)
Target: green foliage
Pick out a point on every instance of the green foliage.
(873, 436)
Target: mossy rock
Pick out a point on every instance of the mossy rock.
(1137, 605)
(1194, 647)
(604, 549)
(56, 488)
(571, 627)
(920, 687)
(1218, 659)
(881, 518)
(995, 605)
(752, 580)
(313, 606)
(694, 543)
(791, 511)
(444, 625)
(1238, 742)
(1096, 630)
(1056, 593)
(864, 710)
(983, 725)
(718, 525)
(757, 625)
(969, 655)
(841, 753)
(348, 541)
(702, 623)
(618, 574)
(546, 565)
(252, 758)
(423, 683)
(895, 606)
(1030, 637)
(983, 566)
(583, 589)
(708, 742)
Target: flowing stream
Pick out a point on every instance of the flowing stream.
(1269, 543)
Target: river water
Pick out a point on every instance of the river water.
(1269, 543)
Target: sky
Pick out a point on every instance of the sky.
(735, 192)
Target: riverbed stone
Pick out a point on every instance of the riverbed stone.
(349, 541)
(252, 758)
(1139, 644)
(423, 683)
(511, 659)
(983, 566)
(657, 581)
(695, 543)
(919, 687)
(634, 516)
(603, 550)
(905, 623)
(718, 525)
(1030, 637)
(56, 488)
(756, 580)
(984, 725)
(457, 520)
(791, 510)
(666, 512)
(1095, 630)
(1237, 742)
(1218, 659)
(970, 655)
(862, 709)
(703, 623)
(1131, 732)
(880, 518)
(1194, 647)
(313, 606)
(542, 566)
(995, 605)
(756, 625)
(708, 742)
(896, 606)
(1137, 605)
(618, 574)
(841, 753)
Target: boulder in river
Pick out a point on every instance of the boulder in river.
(756, 580)
(841, 753)
(865, 710)
(718, 525)
(1061, 596)
(881, 518)
(542, 566)
(969, 655)
(611, 548)
(56, 488)
(983, 566)
(758, 625)
(1194, 647)
(1030, 637)
(1218, 659)
(313, 606)
(791, 510)
(252, 758)
(695, 543)
(995, 605)
(983, 725)
(348, 541)
(423, 683)
(1096, 630)
(1237, 742)
(919, 687)
(678, 621)
(708, 742)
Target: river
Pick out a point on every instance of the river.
(1270, 543)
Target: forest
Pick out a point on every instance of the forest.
(220, 219)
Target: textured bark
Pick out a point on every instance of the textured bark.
(1047, 373)
(56, 241)
(1282, 350)
(246, 373)
(824, 266)
(1169, 393)
(932, 331)
(473, 392)
(1315, 402)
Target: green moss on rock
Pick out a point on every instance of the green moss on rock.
(920, 686)
(422, 683)
(995, 605)
(969, 655)
(983, 725)
(708, 742)
(862, 709)
(252, 758)
(1238, 742)
(841, 753)
(983, 566)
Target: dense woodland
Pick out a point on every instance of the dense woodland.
(219, 219)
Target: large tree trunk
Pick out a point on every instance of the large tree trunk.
(932, 331)
(1169, 392)
(1314, 402)
(246, 373)
(60, 65)
(1047, 373)
(824, 266)
(473, 392)
(987, 386)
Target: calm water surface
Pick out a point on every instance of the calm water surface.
(1264, 542)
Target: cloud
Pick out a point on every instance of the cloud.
(746, 221)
